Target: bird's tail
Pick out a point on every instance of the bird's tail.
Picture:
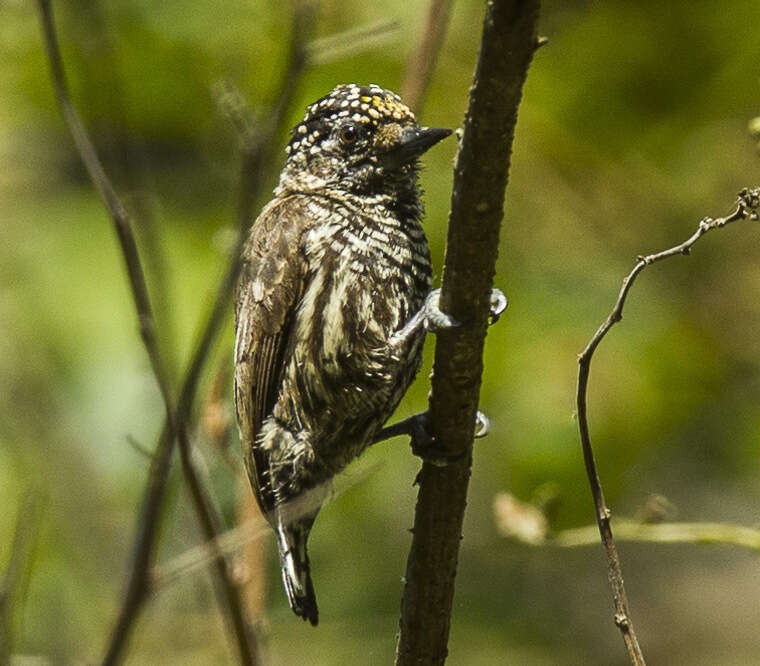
(294, 564)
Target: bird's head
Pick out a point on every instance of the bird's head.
(360, 139)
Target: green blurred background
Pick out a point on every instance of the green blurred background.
(633, 126)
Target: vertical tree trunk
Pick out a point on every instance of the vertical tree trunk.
(480, 179)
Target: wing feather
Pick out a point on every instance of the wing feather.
(269, 290)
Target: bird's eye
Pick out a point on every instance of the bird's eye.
(348, 134)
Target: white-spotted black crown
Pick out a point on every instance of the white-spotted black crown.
(370, 106)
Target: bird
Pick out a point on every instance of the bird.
(332, 306)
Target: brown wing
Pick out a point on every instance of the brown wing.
(270, 287)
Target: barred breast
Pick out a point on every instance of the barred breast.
(367, 275)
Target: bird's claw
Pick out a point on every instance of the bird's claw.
(434, 319)
(424, 444)
(499, 303)
(482, 425)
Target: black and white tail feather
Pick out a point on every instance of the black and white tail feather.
(294, 565)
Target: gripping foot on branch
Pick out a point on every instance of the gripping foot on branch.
(432, 319)
(423, 443)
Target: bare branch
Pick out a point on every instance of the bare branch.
(419, 69)
(137, 588)
(480, 178)
(257, 153)
(349, 43)
(746, 208)
(630, 530)
(116, 210)
(234, 539)
(526, 523)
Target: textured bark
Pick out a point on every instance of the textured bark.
(480, 179)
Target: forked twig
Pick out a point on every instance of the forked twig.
(747, 206)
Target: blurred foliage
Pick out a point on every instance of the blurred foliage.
(633, 127)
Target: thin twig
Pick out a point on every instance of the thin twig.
(116, 210)
(527, 523)
(234, 539)
(351, 42)
(630, 530)
(137, 588)
(257, 154)
(419, 69)
(746, 208)
(477, 203)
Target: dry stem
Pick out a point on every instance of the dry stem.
(747, 207)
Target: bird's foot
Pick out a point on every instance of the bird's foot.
(431, 319)
(499, 303)
(424, 444)
(434, 319)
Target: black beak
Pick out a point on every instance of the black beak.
(413, 142)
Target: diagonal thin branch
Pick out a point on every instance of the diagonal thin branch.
(116, 210)
(137, 588)
(419, 69)
(480, 179)
(747, 207)
(351, 42)
(258, 152)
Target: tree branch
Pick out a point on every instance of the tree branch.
(747, 207)
(116, 210)
(630, 530)
(176, 424)
(527, 523)
(258, 151)
(480, 178)
(419, 69)
(350, 43)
